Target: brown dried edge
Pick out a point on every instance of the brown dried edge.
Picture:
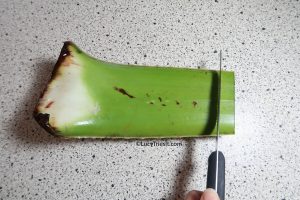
(43, 118)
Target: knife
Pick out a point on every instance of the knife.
(216, 160)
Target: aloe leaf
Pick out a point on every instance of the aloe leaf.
(87, 97)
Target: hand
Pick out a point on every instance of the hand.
(208, 194)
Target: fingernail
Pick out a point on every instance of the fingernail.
(210, 194)
(193, 195)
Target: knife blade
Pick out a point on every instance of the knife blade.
(216, 160)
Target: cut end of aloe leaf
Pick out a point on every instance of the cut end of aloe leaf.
(86, 97)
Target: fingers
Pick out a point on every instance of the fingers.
(210, 194)
(194, 195)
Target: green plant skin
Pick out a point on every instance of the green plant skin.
(150, 102)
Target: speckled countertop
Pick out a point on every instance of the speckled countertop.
(260, 40)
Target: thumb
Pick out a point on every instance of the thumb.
(210, 194)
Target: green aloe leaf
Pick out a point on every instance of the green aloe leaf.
(87, 97)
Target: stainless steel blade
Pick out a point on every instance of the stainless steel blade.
(218, 120)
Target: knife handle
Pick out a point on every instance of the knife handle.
(211, 173)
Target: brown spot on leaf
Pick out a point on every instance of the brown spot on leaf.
(49, 104)
(124, 92)
(195, 103)
(177, 103)
(151, 103)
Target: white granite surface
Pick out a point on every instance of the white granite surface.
(260, 40)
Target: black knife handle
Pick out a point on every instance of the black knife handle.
(211, 173)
